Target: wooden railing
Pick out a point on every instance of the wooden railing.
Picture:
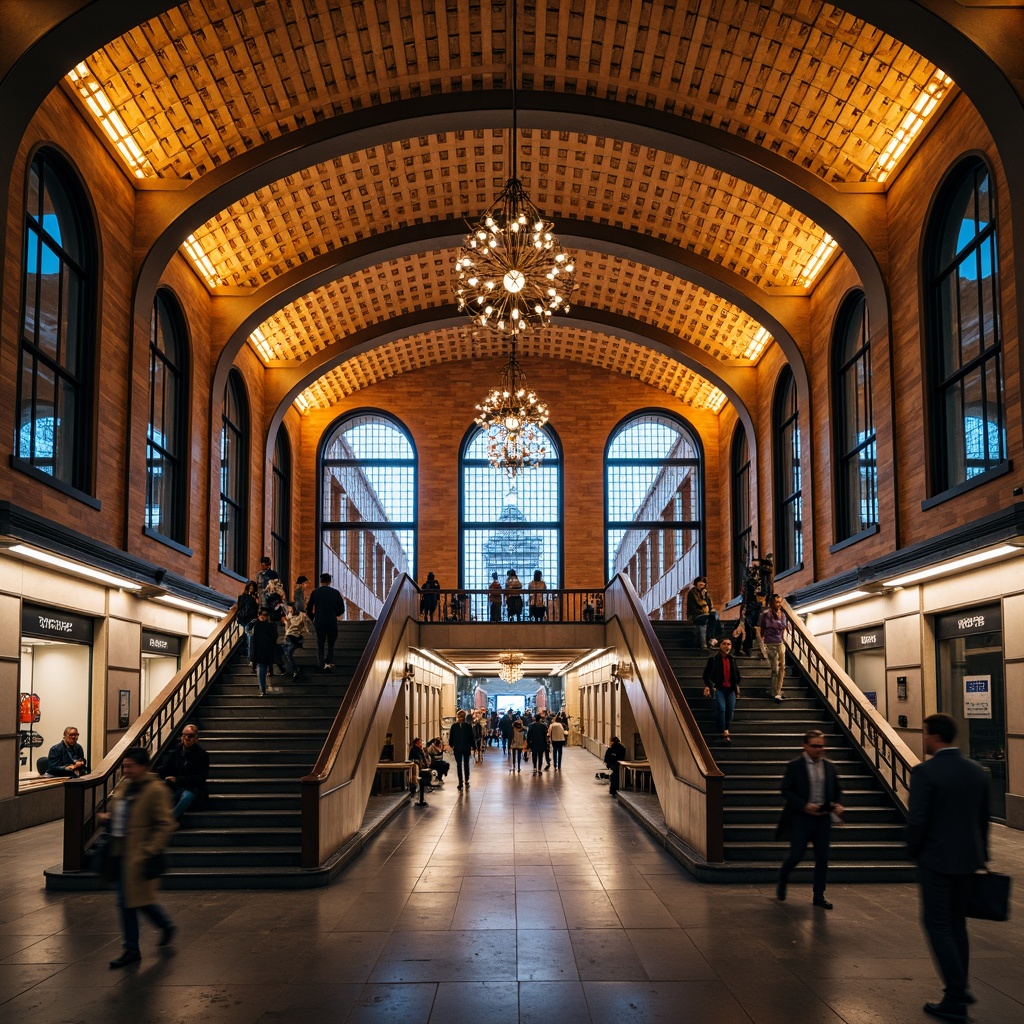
(474, 606)
(336, 792)
(889, 757)
(155, 729)
(689, 784)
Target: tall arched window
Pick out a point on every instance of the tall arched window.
(742, 527)
(367, 507)
(55, 375)
(234, 477)
(167, 434)
(508, 523)
(789, 502)
(964, 339)
(855, 455)
(281, 508)
(654, 502)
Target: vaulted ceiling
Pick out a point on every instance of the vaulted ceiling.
(318, 160)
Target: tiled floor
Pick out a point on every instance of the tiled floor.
(521, 899)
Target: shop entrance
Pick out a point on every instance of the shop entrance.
(161, 659)
(865, 665)
(56, 685)
(971, 689)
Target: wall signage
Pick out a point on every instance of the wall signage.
(865, 640)
(974, 620)
(54, 624)
(977, 696)
(124, 708)
(160, 643)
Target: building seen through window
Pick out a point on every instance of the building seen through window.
(367, 509)
(509, 523)
(654, 498)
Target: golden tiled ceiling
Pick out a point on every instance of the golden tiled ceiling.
(335, 311)
(452, 344)
(805, 79)
(457, 175)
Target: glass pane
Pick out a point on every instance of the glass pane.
(154, 488)
(27, 442)
(64, 439)
(960, 227)
(48, 326)
(71, 330)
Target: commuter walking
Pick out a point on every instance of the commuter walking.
(517, 746)
(771, 631)
(460, 739)
(325, 607)
(947, 834)
(615, 753)
(556, 733)
(722, 679)
(140, 822)
(812, 791)
(537, 741)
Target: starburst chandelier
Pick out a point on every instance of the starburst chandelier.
(512, 272)
(513, 415)
(510, 666)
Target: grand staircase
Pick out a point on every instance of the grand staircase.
(248, 834)
(766, 734)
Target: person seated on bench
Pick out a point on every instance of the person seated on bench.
(435, 751)
(67, 758)
(421, 772)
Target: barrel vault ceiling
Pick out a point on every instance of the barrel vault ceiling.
(703, 160)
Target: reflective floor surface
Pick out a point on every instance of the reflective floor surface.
(523, 898)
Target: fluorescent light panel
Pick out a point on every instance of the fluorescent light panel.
(202, 262)
(192, 606)
(911, 125)
(953, 565)
(76, 567)
(832, 602)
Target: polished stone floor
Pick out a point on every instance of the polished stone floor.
(522, 899)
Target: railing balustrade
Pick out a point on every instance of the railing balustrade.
(154, 729)
(891, 759)
(558, 605)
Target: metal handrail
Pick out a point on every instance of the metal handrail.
(889, 757)
(154, 729)
(559, 604)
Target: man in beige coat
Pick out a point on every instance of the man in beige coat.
(140, 823)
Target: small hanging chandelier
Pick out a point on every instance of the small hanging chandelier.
(513, 415)
(510, 666)
(512, 272)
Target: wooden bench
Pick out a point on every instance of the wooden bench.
(392, 776)
(636, 775)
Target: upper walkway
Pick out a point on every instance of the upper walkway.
(520, 899)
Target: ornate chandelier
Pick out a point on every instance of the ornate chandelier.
(513, 415)
(510, 666)
(512, 272)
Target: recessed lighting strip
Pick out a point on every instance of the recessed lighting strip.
(192, 606)
(87, 86)
(910, 127)
(47, 558)
(953, 565)
(202, 262)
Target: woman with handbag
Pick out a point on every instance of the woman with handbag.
(140, 823)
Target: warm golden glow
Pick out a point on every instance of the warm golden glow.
(911, 125)
(758, 345)
(814, 265)
(303, 402)
(89, 88)
(202, 262)
(259, 340)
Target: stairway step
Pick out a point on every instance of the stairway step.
(224, 835)
(852, 798)
(764, 814)
(839, 851)
(235, 857)
(255, 798)
(856, 834)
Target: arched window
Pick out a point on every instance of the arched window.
(654, 500)
(167, 436)
(367, 507)
(234, 477)
(964, 340)
(742, 527)
(508, 523)
(281, 508)
(57, 340)
(855, 454)
(789, 502)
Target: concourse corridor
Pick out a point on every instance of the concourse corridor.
(521, 899)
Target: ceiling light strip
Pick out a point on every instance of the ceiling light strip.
(57, 562)
(910, 127)
(202, 262)
(192, 606)
(952, 565)
(102, 109)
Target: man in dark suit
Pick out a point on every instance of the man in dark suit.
(811, 790)
(947, 834)
(460, 739)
